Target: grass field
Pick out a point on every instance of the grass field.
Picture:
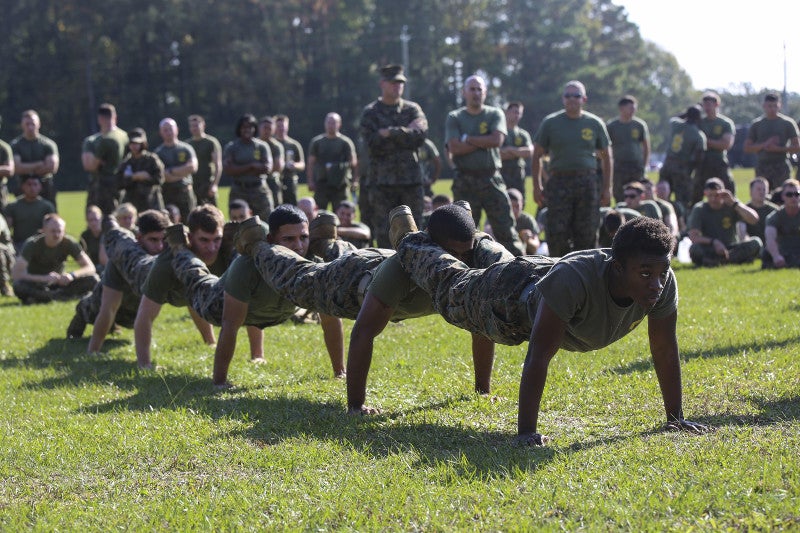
(90, 443)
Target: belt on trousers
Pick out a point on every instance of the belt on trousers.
(484, 173)
(578, 173)
(363, 285)
(248, 184)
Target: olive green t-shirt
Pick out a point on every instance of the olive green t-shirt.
(572, 142)
(576, 289)
(242, 153)
(27, 217)
(717, 224)
(628, 140)
(788, 229)
(113, 279)
(393, 287)
(517, 137)
(489, 120)
(204, 149)
(293, 151)
(245, 283)
(647, 208)
(685, 141)
(762, 128)
(757, 229)
(176, 156)
(163, 286)
(110, 149)
(333, 156)
(42, 259)
(35, 150)
(715, 129)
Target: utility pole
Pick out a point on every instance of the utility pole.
(404, 38)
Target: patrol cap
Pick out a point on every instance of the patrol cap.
(393, 73)
(711, 95)
(714, 183)
(137, 135)
(692, 112)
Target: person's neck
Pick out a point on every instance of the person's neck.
(792, 210)
(615, 288)
(474, 110)
(757, 202)
(30, 137)
(388, 100)
(574, 114)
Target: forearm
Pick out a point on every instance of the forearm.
(206, 330)
(102, 324)
(482, 361)
(333, 333)
(142, 335)
(359, 359)
(256, 337)
(224, 353)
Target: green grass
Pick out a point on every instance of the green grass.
(90, 443)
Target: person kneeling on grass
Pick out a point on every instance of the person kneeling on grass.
(584, 301)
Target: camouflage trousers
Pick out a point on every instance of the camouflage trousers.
(276, 188)
(34, 292)
(181, 196)
(494, 302)
(792, 259)
(624, 173)
(6, 262)
(256, 194)
(775, 173)
(205, 292)
(384, 198)
(572, 206)
(336, 288)
(290, 189)
(711, 169)
(201, 195)
(738, 253)
(325, 195)
(514, 178)
(104, 196)
(489, 193)
(679, 177)
(89, 307)
(132, 261)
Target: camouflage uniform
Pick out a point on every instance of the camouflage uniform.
(205, 147)
(6, 156)
(88, 307)
(394, 174)
(274, 178)
(289, 178)
(6, 257)
(206, 294)
(132, 261)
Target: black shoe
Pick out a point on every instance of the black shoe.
(76, 327)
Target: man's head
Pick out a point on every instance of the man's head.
(266, 126)
(574, 97)
(474, 92)
(168, 129)
(288, 226)
(663, 190)
(790, 192)
(281, 126)
(759, 188)
(647, 183)
(710, 101)
(126, 214)
(239, 210)
(514, 112)
(627, 107)
(152, 230)
(246, 127)
(439, 200)
(173, 213)
(642, 250)
(346, 211)
(106, 116)
(94, 219)
(307, 205)
(452, 227)
(692, 114)
(517, 202)
(612, 221)
(137, 140)
(392, 83)
(205, 232)
(771, 105)
(634, 192)
(30, 123)
(333, 122)
(711, 190)
(197, 125)
(31, 187)
(54, 229)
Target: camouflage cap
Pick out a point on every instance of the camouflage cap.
(393, 73)
(137, 135)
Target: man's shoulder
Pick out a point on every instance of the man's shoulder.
(555, 116)
(591, 117)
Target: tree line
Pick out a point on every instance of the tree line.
(305, 58)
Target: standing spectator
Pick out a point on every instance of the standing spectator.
(773, 137)
(430, 165)
(26, 214)
(630, 138)
(356, 233)
(332, 164)
(101, 157)
(517, 149)
(39, 271)
(712, 228)
(720, 132)
(574, 139)
(687, 144)
(6, 171)
(141, 174)
(763, 208)
(266, 127)
(36, 155)
(180, 162)
(474, 135)
(248, 160)
(295, 159)
(209, 161)
(664, 192)
(393, 130)
(782, 248)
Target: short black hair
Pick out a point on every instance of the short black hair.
(451, 223)
(612, 221)
(642, 235)
(247, 118)
(285, 214)
(152, 220)
(238, 203)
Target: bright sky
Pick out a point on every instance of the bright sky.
(724, 43)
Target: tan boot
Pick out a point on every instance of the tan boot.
(401, 223)
(251, 231)
(322, 233)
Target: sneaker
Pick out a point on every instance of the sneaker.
(76, 327)
(401, 223)
(177, 237)
(251, 232)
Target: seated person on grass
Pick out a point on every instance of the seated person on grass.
(668, 216)
(240, 296)
(91, 236)
(583, 301)
(39, 270)
(759, 188)
(114, 300)
(370, 286)
(356, 233)
(783, 230)
(712, 228)
(25, 216)
(633, 193)
(526, 225)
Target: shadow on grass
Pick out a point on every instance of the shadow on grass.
(71, 353)
(643, 365)
(771, 412)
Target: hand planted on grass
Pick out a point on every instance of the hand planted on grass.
(532, 439)
(363, 410)
(688, 426)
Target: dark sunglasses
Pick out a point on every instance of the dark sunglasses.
(790, 194)
(631, 195)
(573, 95)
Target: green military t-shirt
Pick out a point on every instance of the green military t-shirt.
(757, 229)
(572, 142)
(628, 140)
(204, 148)
(42, 259)
(392, 285)
(163, 286)
(91, 245)
(110, 148)
(576, 289)
(244, 282)
(714, 129)
(762, 128)
(26, 217)
(685, 141)
(788, 229)
(647, 208)
(333, 156)
(717, 224)
(294, 152)
(242, 153)
(517, 137)
(176, 156)
(460, 122)
(35, 150)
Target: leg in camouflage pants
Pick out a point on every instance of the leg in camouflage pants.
(133, 262)
(328, 288)
(572, 206)
(206, 294)
(492, 302)
(776, 173)
(738, 253)
(384, 198)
